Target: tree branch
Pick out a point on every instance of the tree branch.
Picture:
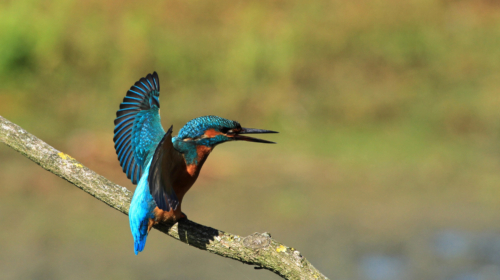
(257, 249)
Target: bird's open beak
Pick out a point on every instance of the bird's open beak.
(253, 131)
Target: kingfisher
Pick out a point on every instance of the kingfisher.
(163, 166)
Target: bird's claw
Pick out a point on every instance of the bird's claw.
(183, 216)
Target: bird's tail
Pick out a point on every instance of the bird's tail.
(140, 212)
(139, 243)
(140, 235)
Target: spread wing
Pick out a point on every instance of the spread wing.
(138, 128)
(160, 174)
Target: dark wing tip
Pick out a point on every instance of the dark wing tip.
(163, 195)
(154, 80)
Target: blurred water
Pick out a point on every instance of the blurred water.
(380, 267)
(456, 255)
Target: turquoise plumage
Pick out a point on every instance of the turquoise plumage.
(164, 167)
(138, 131)
(141, 211)
(138, 128)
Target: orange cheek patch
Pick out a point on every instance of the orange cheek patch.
(210, 133)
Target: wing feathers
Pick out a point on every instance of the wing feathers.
(132, 145)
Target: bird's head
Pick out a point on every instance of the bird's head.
(212, 130)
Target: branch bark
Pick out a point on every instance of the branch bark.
(256, 249)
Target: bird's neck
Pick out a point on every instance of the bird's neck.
(194, 155)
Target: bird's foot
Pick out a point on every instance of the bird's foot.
(151, 223)
(183, 216)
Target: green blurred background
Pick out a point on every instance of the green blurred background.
(388, 158)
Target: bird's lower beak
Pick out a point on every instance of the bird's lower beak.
(253, 131)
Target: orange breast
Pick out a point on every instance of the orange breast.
(183, 177)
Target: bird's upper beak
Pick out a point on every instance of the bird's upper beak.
(253, 131)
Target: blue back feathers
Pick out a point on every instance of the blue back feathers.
(137, 126)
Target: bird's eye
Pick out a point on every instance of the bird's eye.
(224, 130)
(230, 131)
